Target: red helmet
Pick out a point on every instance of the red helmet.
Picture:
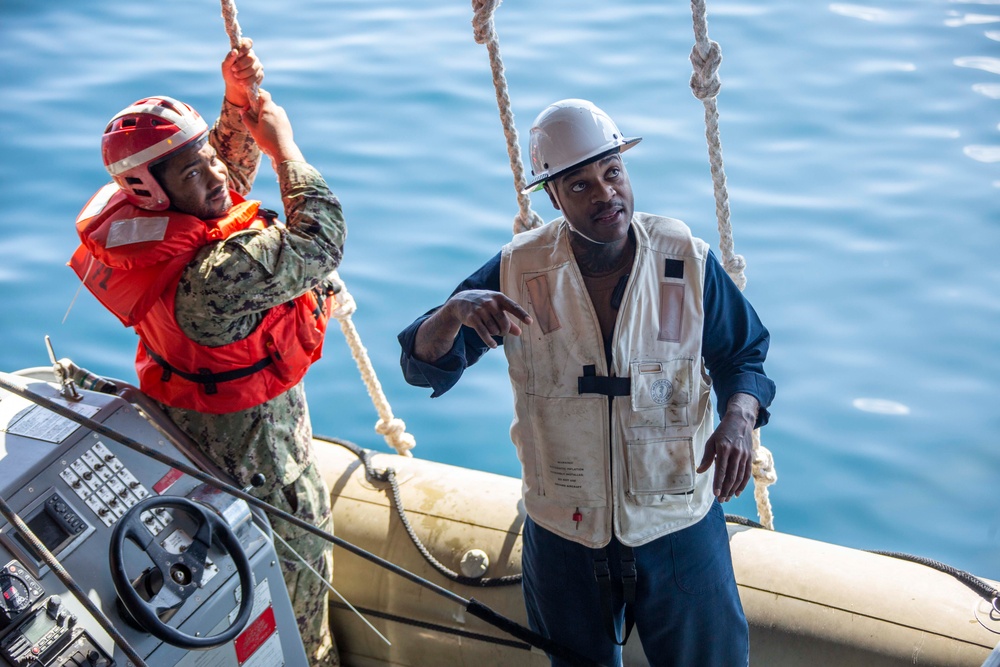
(143, 134)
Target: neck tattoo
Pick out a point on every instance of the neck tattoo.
(596, 259)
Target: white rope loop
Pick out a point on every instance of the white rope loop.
(706, 57)
(484, 30)
(390, 427)
(235, 37)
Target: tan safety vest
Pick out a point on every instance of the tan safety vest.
(589, 472)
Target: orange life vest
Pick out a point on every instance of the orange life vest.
(132, 259)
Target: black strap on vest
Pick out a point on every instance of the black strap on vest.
(602, 572)
(619, 292)
(267, 215)
(590, 383)
(204, 376)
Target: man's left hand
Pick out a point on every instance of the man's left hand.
(731, 447)
(241, 70)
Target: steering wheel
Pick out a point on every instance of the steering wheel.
(181, 573)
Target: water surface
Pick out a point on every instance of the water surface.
(861, 147)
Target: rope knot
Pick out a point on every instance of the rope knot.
(482, 21)
(395, 434)
(735, 267)
(521, 224)
(346, 305)
(763, 466)
(705, 82)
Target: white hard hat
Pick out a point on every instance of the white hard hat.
(568, 133)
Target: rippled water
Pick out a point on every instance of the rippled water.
(861, 147)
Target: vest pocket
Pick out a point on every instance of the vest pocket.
(661, 393)
(656, 469)
(568, 449)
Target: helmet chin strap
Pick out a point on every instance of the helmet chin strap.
(577, 231)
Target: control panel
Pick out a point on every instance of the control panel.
(50, 636)
(83, 495)
(108, 488)
(19, 591)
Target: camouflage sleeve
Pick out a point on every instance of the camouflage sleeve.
(236, 148)
(225, 292)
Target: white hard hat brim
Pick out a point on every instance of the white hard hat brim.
(538, 181)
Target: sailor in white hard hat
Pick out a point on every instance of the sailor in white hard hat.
(617, 326)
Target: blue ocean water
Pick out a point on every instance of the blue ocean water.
(863, 161)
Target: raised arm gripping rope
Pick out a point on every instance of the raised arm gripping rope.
(390, 427)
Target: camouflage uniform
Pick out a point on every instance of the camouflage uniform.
(222, 296)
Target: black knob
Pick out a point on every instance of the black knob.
(53, 605)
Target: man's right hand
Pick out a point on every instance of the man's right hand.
(271, 129)
(488, 313)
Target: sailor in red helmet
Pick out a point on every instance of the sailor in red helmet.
(230, 305)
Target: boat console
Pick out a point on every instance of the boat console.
(182, 573)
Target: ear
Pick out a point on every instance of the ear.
(552, 196)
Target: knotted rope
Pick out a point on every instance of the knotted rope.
(388, 426)
(391, 428)
(485, 33)
(706, 56)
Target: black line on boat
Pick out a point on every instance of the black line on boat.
(982, 588)
(434, 626)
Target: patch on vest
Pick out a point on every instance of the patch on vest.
(661, 391)
(136, 230)
(673, 268)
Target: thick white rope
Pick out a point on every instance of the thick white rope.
(706, 56)
(235, 36)
(391, 428)
(485, 33)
